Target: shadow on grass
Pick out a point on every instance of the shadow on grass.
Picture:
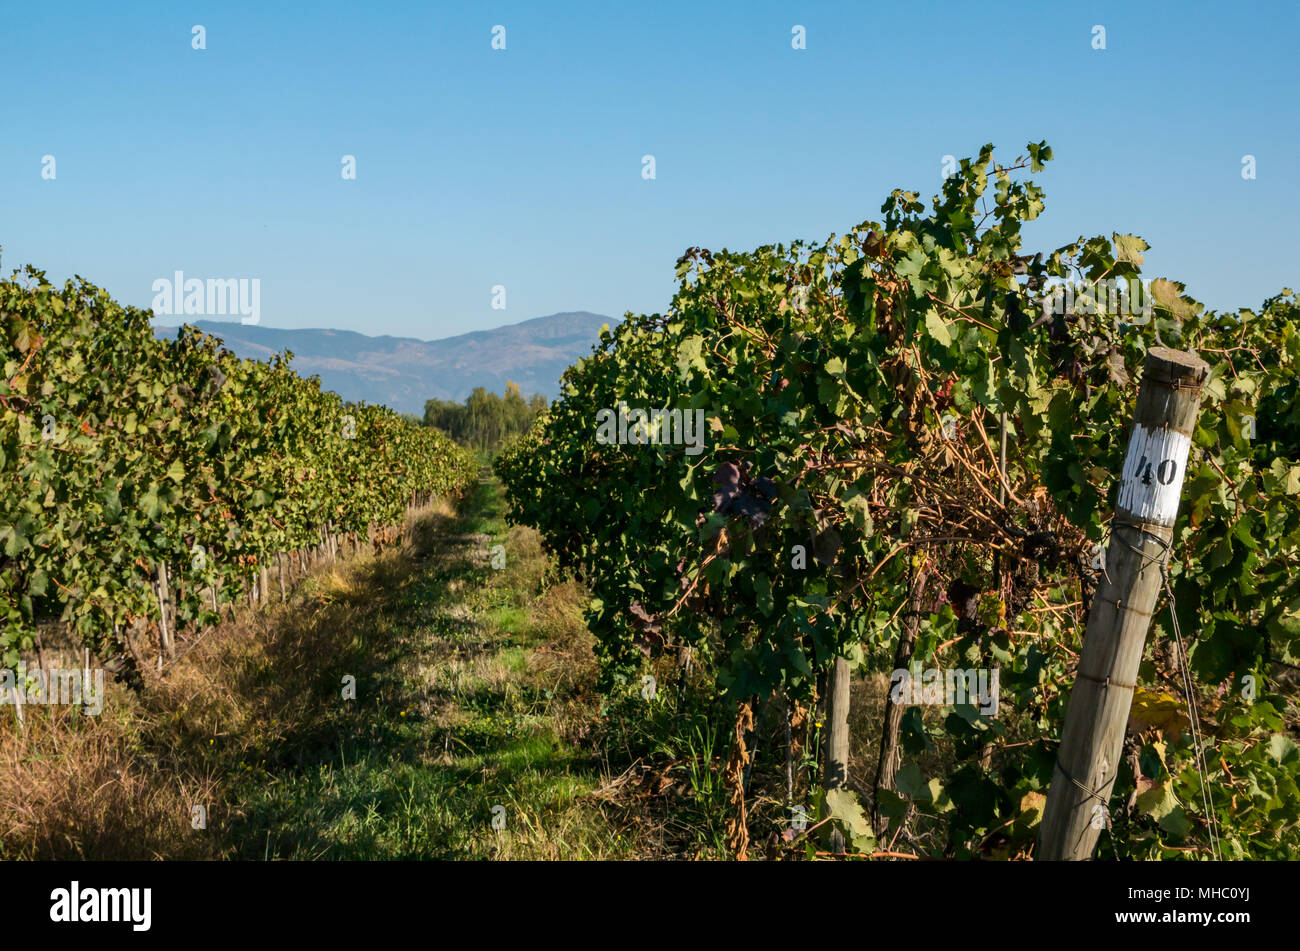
(473, 691)
(408, 769)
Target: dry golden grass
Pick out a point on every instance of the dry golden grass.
(87, 792)
(122, 785)
(477, 689)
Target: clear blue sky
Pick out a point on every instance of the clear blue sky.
(522, 167)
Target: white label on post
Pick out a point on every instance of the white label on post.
(1154, 467)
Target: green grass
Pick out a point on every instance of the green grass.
(453, 717)
(475, 688)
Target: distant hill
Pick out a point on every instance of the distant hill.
(403, 372)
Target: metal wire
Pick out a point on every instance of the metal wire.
(1193, 714)
(1105, 806)
(1165, 549)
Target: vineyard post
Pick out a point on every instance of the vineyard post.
(177, 597)
(164, 639)
(835, 773)
(837, 725)
(890, 756)
(1141, 534)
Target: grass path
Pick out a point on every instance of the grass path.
(475, 697)
(466, 710)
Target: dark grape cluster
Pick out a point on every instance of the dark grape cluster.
(739, 493)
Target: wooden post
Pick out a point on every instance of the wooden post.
(835, 768)
(177, 597)
(890, 755)
(20, 697)
(164, 604)
(1141, 532)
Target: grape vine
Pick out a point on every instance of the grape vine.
(851, 502)
(121, 453)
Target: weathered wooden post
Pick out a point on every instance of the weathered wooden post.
(263, 579)
(165, 648)
(890, 755)
(835, 769)
(1141, 532)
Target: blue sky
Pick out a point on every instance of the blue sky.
(522, 167)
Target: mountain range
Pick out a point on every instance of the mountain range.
(403, 372)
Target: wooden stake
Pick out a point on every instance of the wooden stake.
(1141, 533)
(177, 599)
(835, 770)
(19, 695)
(890, 755)
(164, 603)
